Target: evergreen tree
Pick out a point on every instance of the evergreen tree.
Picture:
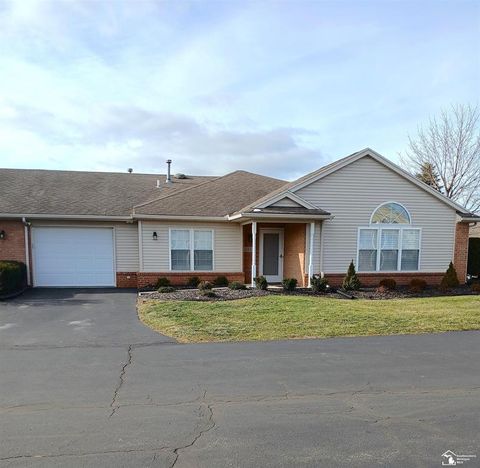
(351, 281)
(429, 176)
(450, 279)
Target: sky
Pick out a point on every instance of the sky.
(279, 88)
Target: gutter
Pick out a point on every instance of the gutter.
(278, 216)
(58, 216)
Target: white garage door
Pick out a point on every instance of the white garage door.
(73, 256)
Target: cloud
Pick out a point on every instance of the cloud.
(129, 136)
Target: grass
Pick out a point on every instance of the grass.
(288, 317)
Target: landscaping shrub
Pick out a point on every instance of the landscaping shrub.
(289, 284)
(236, 285)
(351, 281)
(162, 282)
(417, 285)
(319, 284)
(450, 279)
(475, 287)
(474, 257)
(261, 283)
(13, 276)
(205, 286)
(166, 289)
(193, 281)
(207, 293)
(388, 283)
(220, 281)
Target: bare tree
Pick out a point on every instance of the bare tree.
(450, 145)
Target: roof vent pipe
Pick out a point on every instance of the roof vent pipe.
(169, 175)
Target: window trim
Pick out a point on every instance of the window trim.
(396, 224)
(399, 227)
(192, 248)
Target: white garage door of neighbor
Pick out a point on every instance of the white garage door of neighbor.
(73, 256)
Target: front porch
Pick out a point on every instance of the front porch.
(278, 250)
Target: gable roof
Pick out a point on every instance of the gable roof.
(214, 198)
(79, 193)
(324, 171)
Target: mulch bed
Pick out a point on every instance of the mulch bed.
(404, 293)
(221, 294)
(227, 294)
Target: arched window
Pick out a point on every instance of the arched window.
(390, 213)
(390, 242)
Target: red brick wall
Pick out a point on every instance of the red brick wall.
(372, 279)
(294, 252)
(460, 256)
(13, 246)
(127, 279)
(180, 279)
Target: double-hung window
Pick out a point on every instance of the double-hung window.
(191, 249)
(390, 243)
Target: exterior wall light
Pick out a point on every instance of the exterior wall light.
(154, 235)
(3, 235)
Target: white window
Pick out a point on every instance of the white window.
(389, 243)
(191, 249)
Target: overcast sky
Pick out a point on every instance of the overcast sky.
(278, 88)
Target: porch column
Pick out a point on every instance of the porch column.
(310, 254)
(254, 253)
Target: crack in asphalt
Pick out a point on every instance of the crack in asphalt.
(84, 454)
(113, 404)
(210, 425)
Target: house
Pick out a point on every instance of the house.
(127, 230)
(475, 231)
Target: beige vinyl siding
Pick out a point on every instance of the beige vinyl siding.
(475, 231)
(126, 240)
(126, 244)
(352, 193)
(286, 202)
(227, 245)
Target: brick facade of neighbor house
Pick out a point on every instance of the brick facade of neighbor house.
(13, 246)
(180, 279)
(460, 256)
(372, 279)
(294, 252)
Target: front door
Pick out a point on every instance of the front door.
(271, 254)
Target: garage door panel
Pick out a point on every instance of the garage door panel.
(73, 257)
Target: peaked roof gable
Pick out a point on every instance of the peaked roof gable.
(324, 171)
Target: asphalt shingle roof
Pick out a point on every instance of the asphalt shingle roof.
(30, 191)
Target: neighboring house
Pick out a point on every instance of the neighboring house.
(127, 230)
(475, 230)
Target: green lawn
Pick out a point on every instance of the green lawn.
(283, 317)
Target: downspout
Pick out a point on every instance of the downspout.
(26, 236)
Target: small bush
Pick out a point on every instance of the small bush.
(388, 283)
(450, 279)
(475, 287)
(162, 282)
(289, 284)
(207, 293)
(193, 281)
(417, 285)
(319, 284)
(13, 276)
(220, 281)
(205, 286)
(166, 289)
(236, 285)
(351, 281)
(261, 283)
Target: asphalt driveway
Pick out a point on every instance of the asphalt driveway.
(119, 395)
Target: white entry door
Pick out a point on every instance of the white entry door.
(73, 256)
(271, 254)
